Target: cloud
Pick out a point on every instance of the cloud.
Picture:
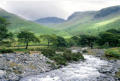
(33, 9)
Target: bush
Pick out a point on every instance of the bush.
(48, 52)
(69, 56)
(85, 51)
(59, 59)
(77, 56)
(62, 59)
(6, 51)
(114, 53)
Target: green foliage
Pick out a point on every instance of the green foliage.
(49, 38)
(87, 40)
(73, 41)
(5, 36)
(110, 38)
(48, 52)
(69, 56)
(54, 40)
(6, 51)
(27, 37)
(85, 51)
(60, 42)
(62, 59)
(113, 53)
(59, 59)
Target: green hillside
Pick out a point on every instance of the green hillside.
(88, 22)
(17, 23)
(94, 27)
(92, 22)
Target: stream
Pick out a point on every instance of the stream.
(87, 70)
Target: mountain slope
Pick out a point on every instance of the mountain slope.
(107, 11)
(92, 22)
(76, 19)
(18, 24)
(89, 22)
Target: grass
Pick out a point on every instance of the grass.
(113, 53)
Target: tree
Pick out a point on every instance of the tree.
(111, 39)
(114, 31)
(76, 40)
(48, 38)
(5, 36)
(60, 42)
(27, 37)
(87, 40)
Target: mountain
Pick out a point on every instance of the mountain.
(92, 22)
(80, 15)
(50, 21)
(76, 19)
(88, 22)
(17, 24)
(107, 11)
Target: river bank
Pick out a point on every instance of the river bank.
(36, 67)
(94, 68)
(109, 71)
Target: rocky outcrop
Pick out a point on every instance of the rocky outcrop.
(15, 66)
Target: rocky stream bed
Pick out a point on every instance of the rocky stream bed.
(35, 67)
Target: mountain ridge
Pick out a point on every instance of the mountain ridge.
(47, 21)
(88, 22)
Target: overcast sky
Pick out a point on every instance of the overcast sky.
(34, 9)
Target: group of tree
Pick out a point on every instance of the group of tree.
(109, 38)
(52, 40)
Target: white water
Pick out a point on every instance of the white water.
(82, 71)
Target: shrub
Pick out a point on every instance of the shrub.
(6, 51)
(48, 52)
(69, 56)
(62, 59)
(59, 48)
(85, 51)
(59, 59)
(114, 53)
(77, 56)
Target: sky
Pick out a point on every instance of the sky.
(35, 9)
